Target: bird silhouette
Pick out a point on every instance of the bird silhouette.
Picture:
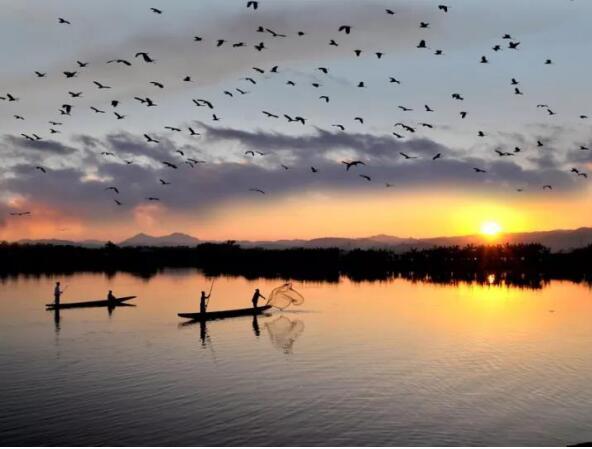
(156, 11)
(115, 189)
(101, 86)
(145, 56)
(120, 61)
(351, 164)
(170, 165)
(252, 4)
(163, 182)
(406, 156)
(150, 139)
(366, 177)
(257, 190)
(64, 21)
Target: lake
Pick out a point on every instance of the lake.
(369, 363)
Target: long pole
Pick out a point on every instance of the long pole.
(210, 292)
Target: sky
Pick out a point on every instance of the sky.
(221, 196)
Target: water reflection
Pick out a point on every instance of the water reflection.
(256, 328)
(56, 320)
(383, 363)
(283, 332)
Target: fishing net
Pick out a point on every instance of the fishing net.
(283, 332)
(284, 296)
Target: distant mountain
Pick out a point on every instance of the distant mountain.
(175, 239)
(557, 240)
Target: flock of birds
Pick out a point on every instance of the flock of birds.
(402, 130)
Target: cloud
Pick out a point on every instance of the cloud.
(195, 191)
(44, 146)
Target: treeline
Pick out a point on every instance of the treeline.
(529, 265)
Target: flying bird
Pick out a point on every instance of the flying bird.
(145, 56)
(101, 86)
(351, 164)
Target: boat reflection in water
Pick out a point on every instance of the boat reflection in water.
(283, 331)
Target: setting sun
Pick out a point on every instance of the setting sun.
(490, 228)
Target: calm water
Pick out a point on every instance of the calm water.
(395, 363)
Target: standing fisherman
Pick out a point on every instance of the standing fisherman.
(256, 297)
(57, 293)
(203, 304)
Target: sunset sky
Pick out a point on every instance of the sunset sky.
(212, 200)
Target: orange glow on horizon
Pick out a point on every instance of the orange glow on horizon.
(313, 215)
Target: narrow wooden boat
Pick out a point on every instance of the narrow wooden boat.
(99, 303)
(221, 314)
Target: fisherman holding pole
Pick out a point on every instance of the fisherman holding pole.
(204, 300)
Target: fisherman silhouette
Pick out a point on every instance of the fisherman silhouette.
(203, 302)
(256, 297)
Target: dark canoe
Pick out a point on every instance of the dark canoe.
(99, 303)
(218, 315)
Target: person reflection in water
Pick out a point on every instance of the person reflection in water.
(203, 302)
(203, 333)
(256, 328)
(256, 297)
(57, 293)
